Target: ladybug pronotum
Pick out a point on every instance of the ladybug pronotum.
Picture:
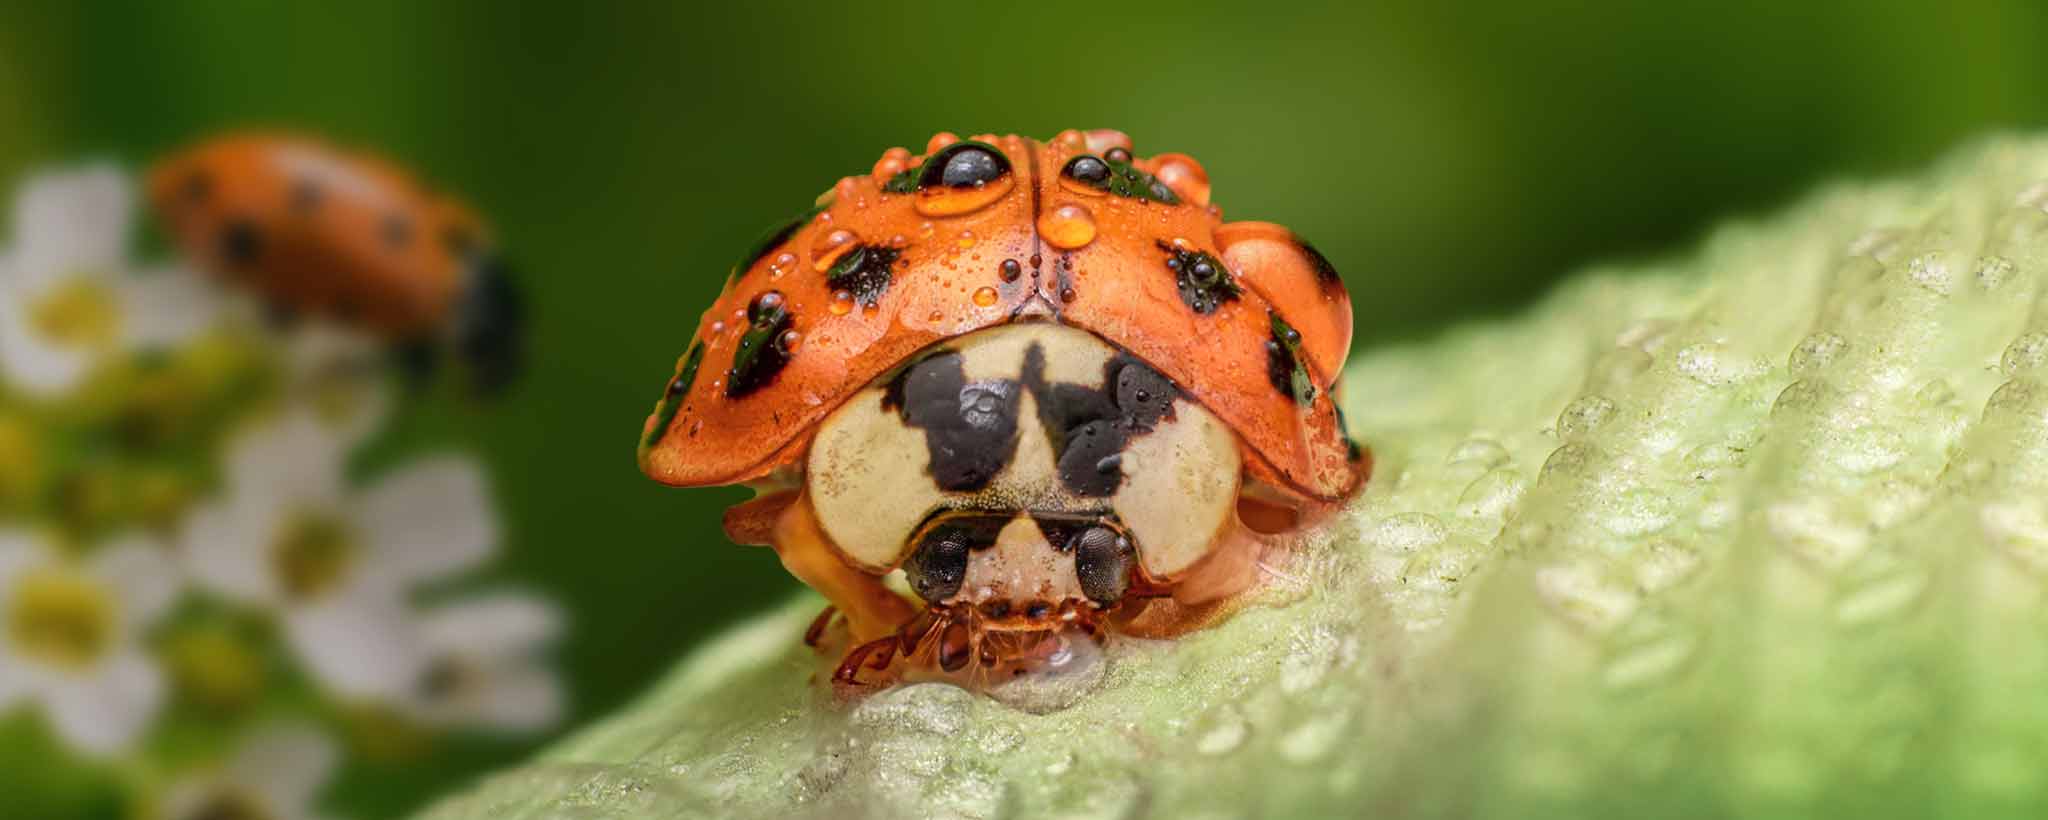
(1042, 380)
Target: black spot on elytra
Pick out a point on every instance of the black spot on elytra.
(1090, 427)
(1352, 452)
(1113, 173)
(1326, 273)
(1203, 281)
(970, 428)
(306, 196)
(198, 188)
(1284, 368)
(963, 164)
(759, 356)
(397, 231)
(673, 395)
(774, 237)
(241, 243)
(863, 272)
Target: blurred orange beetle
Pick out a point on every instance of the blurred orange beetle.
(313, 229)
(1043, 380)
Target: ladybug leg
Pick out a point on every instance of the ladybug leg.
(816, 631)
(872, 610)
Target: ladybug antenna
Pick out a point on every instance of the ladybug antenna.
(490, 328)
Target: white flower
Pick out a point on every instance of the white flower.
(67, 296)
(275, 775)
(336, 565)
(343, 375)
(70, 638)
(488, 666)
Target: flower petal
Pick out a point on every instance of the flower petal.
(71, 222)
(358, 644)
(144, 578)
(492, 625)
(429, 520)
(226, 548)
(26, 360)
(103, 713)
(20, 551)
(287, 764)
(520, 697)
(294, 461)
(166, 307)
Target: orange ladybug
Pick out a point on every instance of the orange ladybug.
(316, 230)
(1043, 380)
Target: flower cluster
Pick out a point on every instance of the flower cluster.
(196, 589)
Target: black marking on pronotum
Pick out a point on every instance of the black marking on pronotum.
(677, 390)
(759, 356)
(864, 272)
(970, 428)
(1203, 280)
(777, 235)
(963, 164)
(1090, 427)
(1283, 363)
(1326, 273)
(1115, 174)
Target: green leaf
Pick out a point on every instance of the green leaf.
(1760, 531)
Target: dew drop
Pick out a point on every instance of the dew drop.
(966, 240)
(1010, 270)
(789, 341)
(1584, 415)
(985, 296)
(828, 247)
(1068, 295)
(1816, 352)
(842, 302)
(783, 263)
(1067, 227)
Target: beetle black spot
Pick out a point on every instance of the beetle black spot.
(241, 243)
(1203, 281)
(963, 164)
(970, 428)
(758, 358)
(306, 196)
(1326, 273)
(198, 188)
(774, 237)
(672, 396)
(1284, 368)
(397, 231)
(1114, 173)
(863, 272)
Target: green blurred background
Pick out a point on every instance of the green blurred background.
(1453, 159)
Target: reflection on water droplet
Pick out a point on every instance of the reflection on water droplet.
(966, 240)
(985, 296)
(783, 263)
(1067, 227)
(1815, 352)
(842, 303)
(1068, 295)
(1185, 176)
(1933, 272)
(1010, 270)
(828, 247)
(1482, 452)
(1584, 415)
(789, 340)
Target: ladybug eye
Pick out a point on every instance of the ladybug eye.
(1102, 562)
(939, 563)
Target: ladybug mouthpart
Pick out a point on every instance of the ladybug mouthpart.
(961, 644)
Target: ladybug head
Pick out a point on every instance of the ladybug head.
(489, 328)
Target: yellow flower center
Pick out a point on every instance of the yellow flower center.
(61, 618)
(20, 465)
(78, 314)
(312, 555)
(216, 668)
